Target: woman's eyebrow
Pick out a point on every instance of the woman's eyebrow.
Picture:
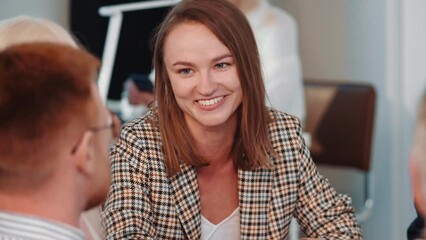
(222, 57)
(183, 63)
(226, 55)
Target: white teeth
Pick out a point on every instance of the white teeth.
(210, 102)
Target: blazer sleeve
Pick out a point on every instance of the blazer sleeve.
(127, 213)
(321, 211)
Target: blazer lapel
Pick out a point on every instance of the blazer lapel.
(187, 200)
(254, 195)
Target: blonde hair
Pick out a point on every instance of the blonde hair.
(24, 29)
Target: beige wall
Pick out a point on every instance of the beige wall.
(55, 10)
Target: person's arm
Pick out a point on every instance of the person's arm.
(139, 89)
(127, 213)
(417, 167)
(321, 211)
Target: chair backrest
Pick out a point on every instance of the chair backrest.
(340, 117)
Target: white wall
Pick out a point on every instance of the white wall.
(55, 10)
(382, 42)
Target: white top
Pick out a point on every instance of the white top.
(276, 36)
(15, 226)
(228, 229)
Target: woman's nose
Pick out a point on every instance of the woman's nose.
(207, 84)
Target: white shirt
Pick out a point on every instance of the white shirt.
(15, 226)
(276, 36)
(228, 229)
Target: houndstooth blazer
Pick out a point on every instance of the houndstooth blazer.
(143, 203)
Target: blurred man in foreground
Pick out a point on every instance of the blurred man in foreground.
(54, 134)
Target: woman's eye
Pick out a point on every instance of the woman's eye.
(185, 71)
(222, 65)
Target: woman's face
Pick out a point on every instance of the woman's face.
(203, 75)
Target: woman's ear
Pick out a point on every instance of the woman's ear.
(84, 154)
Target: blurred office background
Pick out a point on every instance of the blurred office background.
(381, 42)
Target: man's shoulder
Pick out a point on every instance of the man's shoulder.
(16, 226)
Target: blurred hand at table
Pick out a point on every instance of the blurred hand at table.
(136, 96)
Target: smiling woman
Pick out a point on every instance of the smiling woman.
(210, 160)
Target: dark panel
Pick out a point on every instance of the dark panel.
(133, 54)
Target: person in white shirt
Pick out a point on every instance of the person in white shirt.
(55, 132)
(277, 39)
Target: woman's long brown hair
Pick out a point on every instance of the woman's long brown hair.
(251, 140)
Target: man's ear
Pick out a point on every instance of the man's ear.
(84, 154)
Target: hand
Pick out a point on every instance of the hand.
(135, 96)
